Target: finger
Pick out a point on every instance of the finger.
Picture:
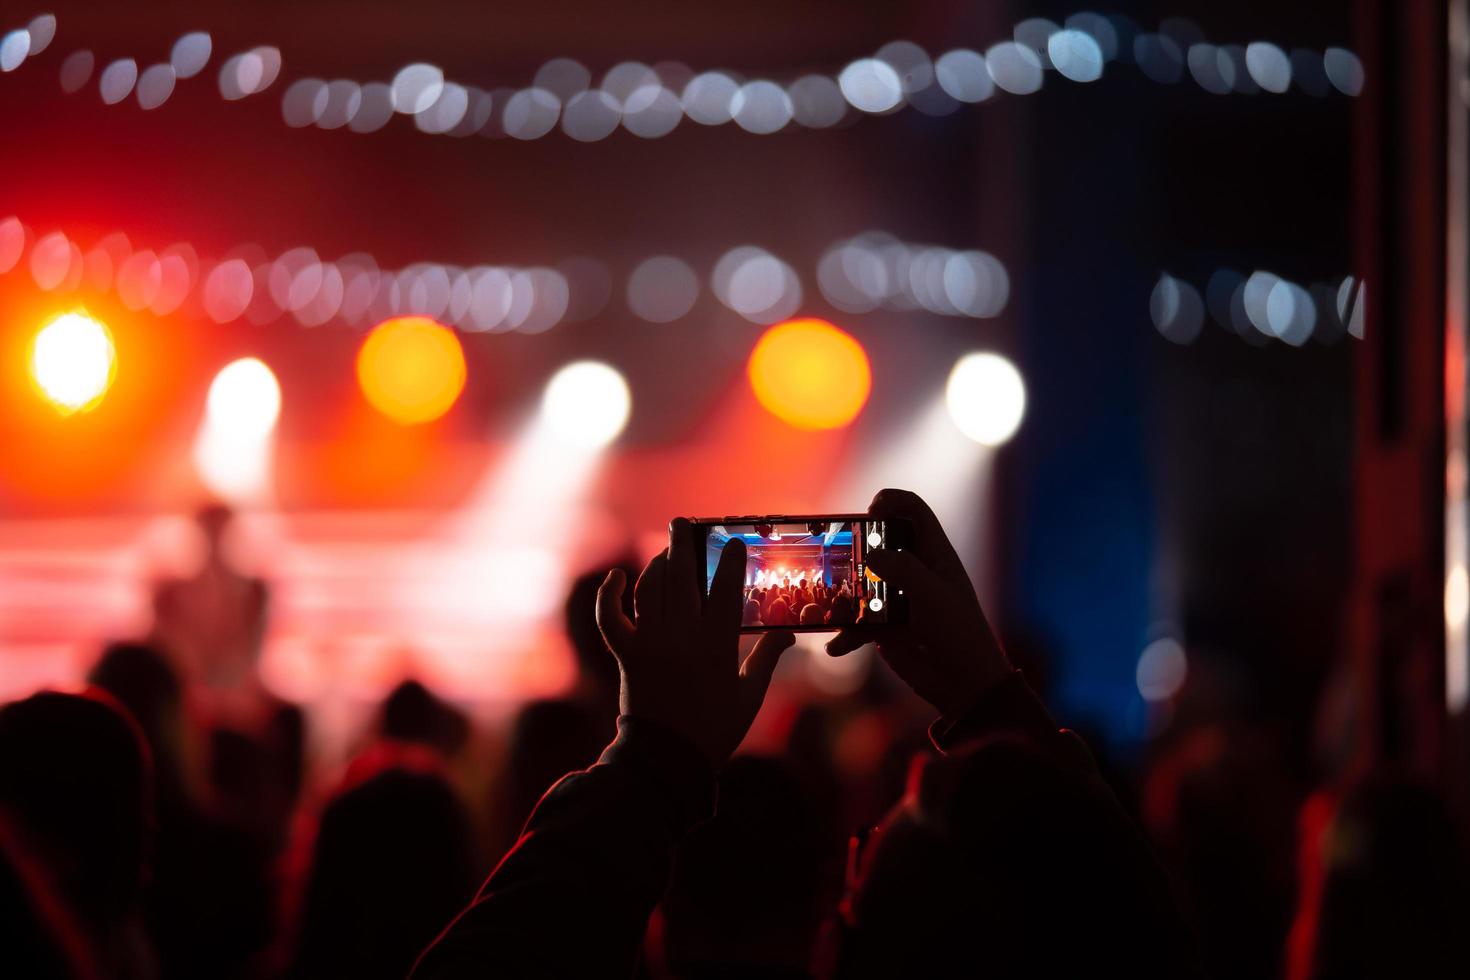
(648, 594)
(904, 571)
(617, 630)
(758, 669)
(930, 542)
(848, 640)
(682, 587)
(726, 592)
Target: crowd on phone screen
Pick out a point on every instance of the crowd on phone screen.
(800, 603)
(169, 820)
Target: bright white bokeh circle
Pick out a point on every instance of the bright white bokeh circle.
(986, 398)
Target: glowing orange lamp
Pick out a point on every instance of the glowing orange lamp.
(810, 374)
(411, 369)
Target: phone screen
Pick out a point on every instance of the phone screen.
(805, 573)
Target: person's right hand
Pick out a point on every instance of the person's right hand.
(946, 651)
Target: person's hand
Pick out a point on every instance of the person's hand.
(946, 651)
(680, 658)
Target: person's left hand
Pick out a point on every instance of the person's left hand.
(680, 657)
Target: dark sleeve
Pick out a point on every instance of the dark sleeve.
(573, 897)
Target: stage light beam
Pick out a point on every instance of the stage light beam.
(73, 362)
(411, 369)
(810, 374)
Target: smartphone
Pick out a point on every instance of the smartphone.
(807, 574)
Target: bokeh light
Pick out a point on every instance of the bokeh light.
(411, 369)
(244, 399)
(73, 362)
(986, 398)
(587, 404)
(662, 289)
(1161, 670)
(810, 374)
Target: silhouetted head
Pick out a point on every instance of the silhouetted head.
(811, 614)
(752, 614)
(779, 614)
(843, 611)
(74, 778)
(143, 681)
(390, 866)
(1002, 862)
(413, 713)
(595, 666)
(745, 892)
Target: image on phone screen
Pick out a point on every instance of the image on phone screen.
(802, 573)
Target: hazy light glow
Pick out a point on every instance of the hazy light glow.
(590, 116)
(1162, 669)
(42, 29)
(1269, 66)
(709, 98)
(986, 398)
(155, 85)
(662, 289)
(1075, 55)
(12, 242)
(563, 78)
(910, 62)
(1016, 68)
(411, 369)
(963, 75)
(190, 54)
(810, 374)
(76, 71)
(761, 107)
(531, 113)
(587, 404)
(14, 47)
(1177, 310)
(416, 87)
(73, 362)
(816, 101)
(870, 85)
(117, 80)
(1344, 70)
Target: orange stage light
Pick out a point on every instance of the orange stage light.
(810, 374)
(73, 362)
(411, 369)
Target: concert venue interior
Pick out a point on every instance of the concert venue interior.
(340, 340)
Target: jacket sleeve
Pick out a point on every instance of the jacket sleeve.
(573, 896)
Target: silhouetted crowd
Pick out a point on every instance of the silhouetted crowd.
(800, 603)
(165, 821)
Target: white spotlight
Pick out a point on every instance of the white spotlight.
(587, 404)
(986, 398)
(245, 399)
(233, 449)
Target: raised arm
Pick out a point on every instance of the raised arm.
(572, 898)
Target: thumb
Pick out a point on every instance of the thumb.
(902, 569)
(617, 631)
(760, 666)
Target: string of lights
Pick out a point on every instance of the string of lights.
(870, 271)
(1259, 307)
(650, 101)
